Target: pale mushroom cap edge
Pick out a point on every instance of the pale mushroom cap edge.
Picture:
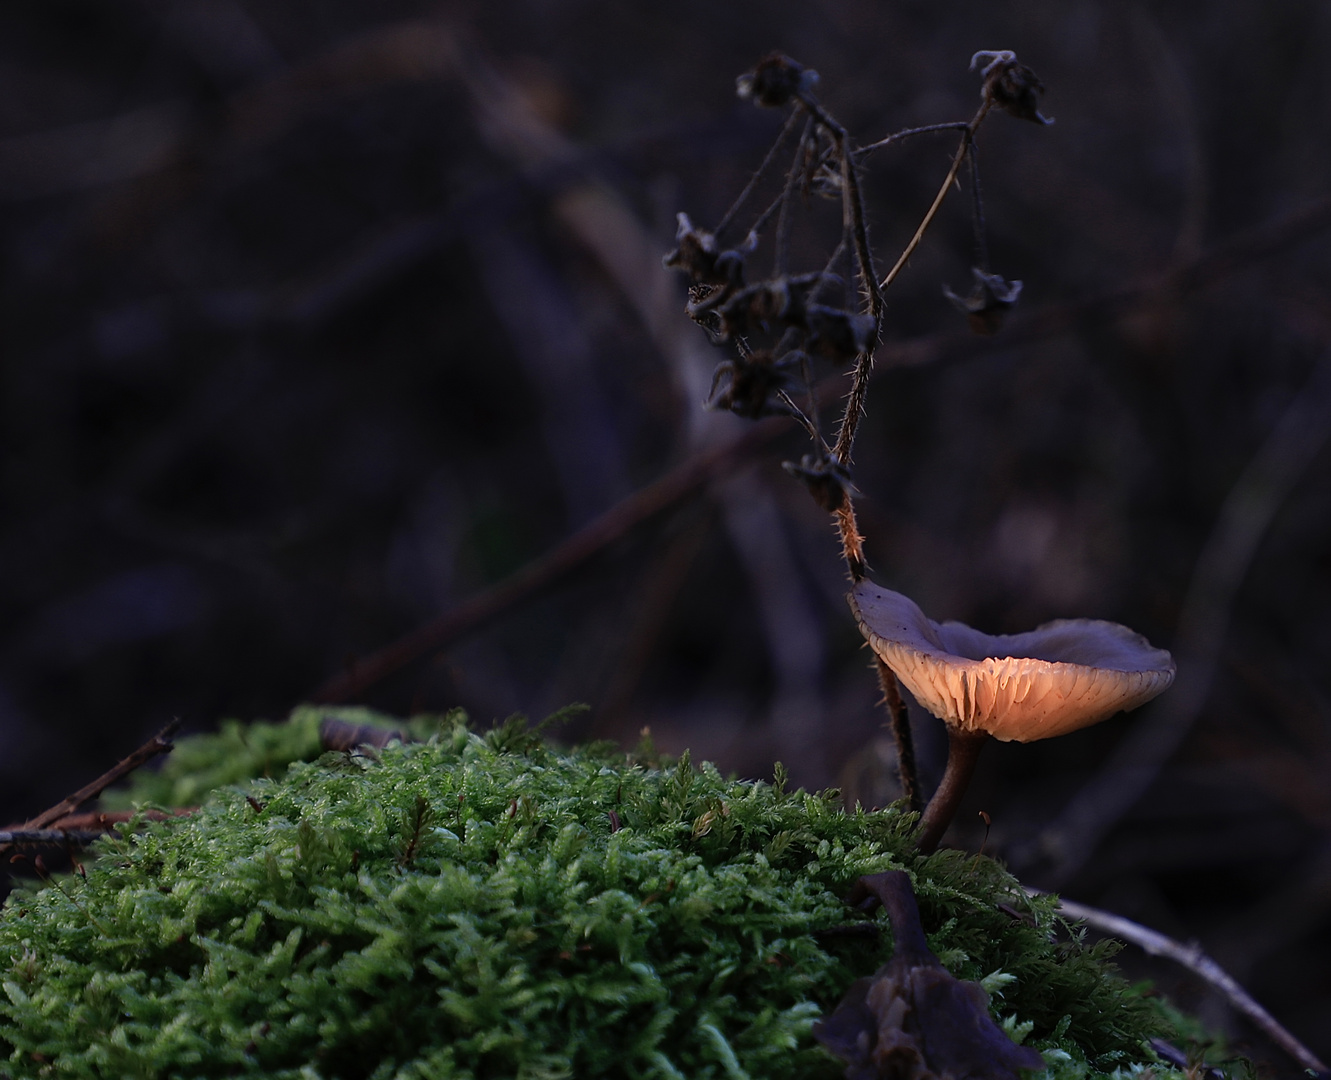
(1057, 678)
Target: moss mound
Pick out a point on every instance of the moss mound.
(485, 906)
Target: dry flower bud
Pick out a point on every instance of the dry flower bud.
(775, 81)
(839, 334)
(988, 302)
(826, 478)
(748, 385)
(698, 255)
(1011, 85)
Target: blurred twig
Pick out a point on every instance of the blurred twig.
(1243, 520)
(44, 837)
(1191, 957)
(583, 545)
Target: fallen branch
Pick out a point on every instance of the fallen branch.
(1191, 957)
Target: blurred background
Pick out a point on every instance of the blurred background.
(338, 363)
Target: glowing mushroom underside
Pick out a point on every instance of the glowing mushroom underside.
(1059, 677)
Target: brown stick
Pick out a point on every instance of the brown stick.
(158, 744)
(899, 722)
(963, 750)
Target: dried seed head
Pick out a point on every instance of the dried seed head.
(1011, 85)
(988, 302)
(839, 334)
(826, 478)
(749, 385)
(775, 81)
(699, 255)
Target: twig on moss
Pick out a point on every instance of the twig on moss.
(1195, 960)
(157, 745)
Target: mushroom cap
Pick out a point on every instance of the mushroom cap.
(1063, 675)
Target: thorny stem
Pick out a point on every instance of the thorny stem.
(854, 211)
(855, 222)
(852, 543)
(854, 219)
(963, 750)
(899, 722)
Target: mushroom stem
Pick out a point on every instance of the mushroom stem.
(963, 749)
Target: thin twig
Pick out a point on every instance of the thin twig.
(931, 213)
(854, 222)
(1191, 957)
(767, 161)
(783, 220)
(865, 151)
(157, 745)
(977, 212)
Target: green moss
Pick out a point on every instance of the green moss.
(466, 907)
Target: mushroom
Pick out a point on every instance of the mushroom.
(1064, 675)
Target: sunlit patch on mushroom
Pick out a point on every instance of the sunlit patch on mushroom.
(1065, 675)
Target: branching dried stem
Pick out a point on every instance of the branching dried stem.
(781, 310)
(967, 137)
